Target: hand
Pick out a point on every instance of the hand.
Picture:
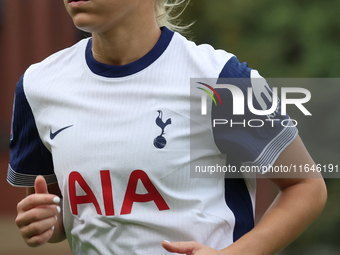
(189, 248)
(37, 214)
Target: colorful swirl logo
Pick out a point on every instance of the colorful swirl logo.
(209, 93)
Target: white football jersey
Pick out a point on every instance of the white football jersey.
(117, 139)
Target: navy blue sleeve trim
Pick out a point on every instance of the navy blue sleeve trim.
(235, 69)
(237, 195)
(251, 145)
(28, 155)
(238, 200)
(26, 180)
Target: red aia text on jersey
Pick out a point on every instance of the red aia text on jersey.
(130, 195)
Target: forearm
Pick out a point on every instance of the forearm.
(290, 214)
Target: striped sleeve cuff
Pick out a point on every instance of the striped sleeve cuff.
(273, 150)
(26, 180)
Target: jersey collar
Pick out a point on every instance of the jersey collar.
(111, 71)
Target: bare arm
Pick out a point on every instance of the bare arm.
(297, 205)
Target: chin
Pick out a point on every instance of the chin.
(84, 23)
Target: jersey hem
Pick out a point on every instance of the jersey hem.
(26, 180)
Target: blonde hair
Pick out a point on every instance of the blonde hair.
(164, 10)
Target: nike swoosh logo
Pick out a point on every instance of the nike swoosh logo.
(53, 135)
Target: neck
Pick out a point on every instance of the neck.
(122, 45)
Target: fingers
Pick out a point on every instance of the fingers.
(35, 200)
(38, 232)
(181, 247)
(38, 227)
(38, 240)
(40, 185)
(36, 214)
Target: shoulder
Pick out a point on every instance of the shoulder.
(58, 61)
(223, 64)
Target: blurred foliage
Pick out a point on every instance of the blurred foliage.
(296, 39)
(320, 133)
(292, 38)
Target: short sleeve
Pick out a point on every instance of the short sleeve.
(28, 155)
(251, 138)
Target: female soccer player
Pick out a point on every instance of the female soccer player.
(107, 125)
